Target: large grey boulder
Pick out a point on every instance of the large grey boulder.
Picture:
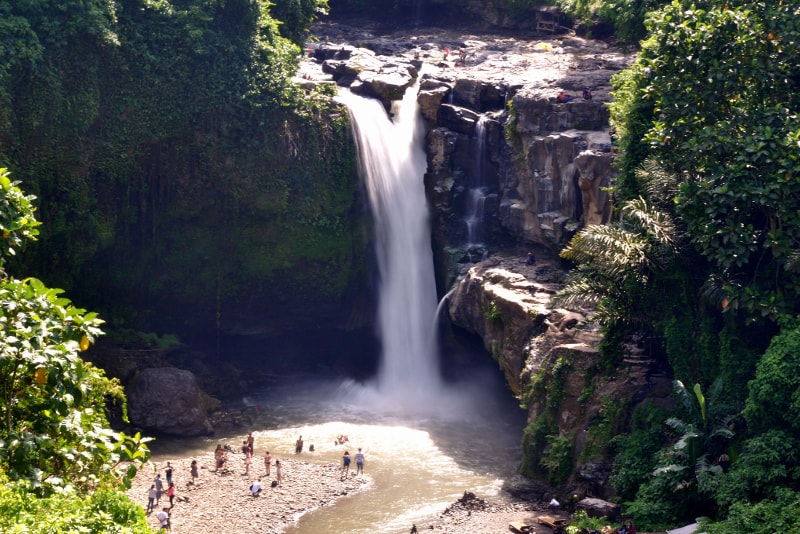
(167, 400)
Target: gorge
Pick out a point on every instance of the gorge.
(287, 222)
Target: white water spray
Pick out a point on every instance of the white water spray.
(393, 163)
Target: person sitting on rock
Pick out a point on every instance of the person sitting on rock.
(564, 97)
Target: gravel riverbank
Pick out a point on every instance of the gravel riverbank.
(221, 501)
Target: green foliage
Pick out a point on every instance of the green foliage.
(616, 265)
(635, 453)
(166, 137)
(659, 505)
(104, 510)
(492, 314)
(767, 463)
(296, 16)
(557, 458)
(778, 514)
(721, 82)
(580, 522)
(54, 434)
(604, 427)
(692, 345)
(774, 400)
(688, 470)
(17, 220)
(534, 441)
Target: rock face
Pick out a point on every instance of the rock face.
(167, 400)
(511, 166)
(550, 361)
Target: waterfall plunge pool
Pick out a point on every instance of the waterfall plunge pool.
(467, 439)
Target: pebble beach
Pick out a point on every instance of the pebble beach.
(220, 501)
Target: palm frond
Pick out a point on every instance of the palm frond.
(610, 249)
(659, 185)
(657, 224)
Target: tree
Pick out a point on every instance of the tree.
(296, 16)
(617, 263)
(54, 433)
(721, 80)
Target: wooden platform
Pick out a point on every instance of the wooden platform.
(551, 521)
(520, 527)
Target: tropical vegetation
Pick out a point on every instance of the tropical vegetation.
(703, 256)
(166, 136)
(161, 137)
(60, 463)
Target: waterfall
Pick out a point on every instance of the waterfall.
(392, 164)
(476, 194)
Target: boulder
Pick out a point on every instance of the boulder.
(167, 400)
(599, 508)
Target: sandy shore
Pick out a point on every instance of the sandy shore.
(221, 501)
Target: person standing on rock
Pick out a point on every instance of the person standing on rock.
(163, 518)
(345, 465)
(267, 460)
(159, 488)
(247, 461)
(278, 472)
(250, 443)
(359, 462)
(168, 472)
(194, 472)
(151, 498)
(171, 494)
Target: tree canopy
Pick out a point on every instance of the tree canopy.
(54, 434)
(710, 110)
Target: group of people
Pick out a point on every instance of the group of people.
(156, 490)
(155, 493)
(255, 487)
(346, 463)
(562, 97)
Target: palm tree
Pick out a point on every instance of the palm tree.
(616, 263)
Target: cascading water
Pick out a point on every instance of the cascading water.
(476, 194)
(426, 441)
(392, 164)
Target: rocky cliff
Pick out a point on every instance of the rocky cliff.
(512, 168)
(552, 364)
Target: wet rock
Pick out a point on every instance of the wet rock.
(169, 401)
